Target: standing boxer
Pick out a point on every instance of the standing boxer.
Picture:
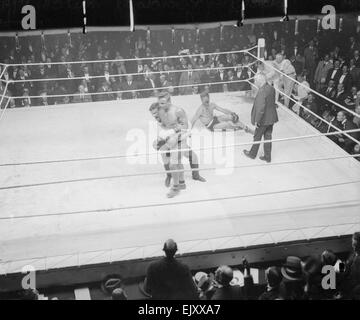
(191, 155)
(175, 132)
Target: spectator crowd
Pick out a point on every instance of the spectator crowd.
(314, 277)
(295, 279)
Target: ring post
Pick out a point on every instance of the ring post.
(261, 49)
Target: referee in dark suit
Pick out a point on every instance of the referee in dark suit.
(263, 115)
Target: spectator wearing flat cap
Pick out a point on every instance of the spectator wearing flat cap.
(273, 279)
(170, 279)
(292, 285)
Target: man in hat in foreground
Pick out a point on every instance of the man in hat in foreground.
(293, 284)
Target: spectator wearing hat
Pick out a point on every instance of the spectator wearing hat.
(292, 284)
(273, 279)
(170, 279)
(110, 283)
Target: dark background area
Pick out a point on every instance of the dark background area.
(68, 13)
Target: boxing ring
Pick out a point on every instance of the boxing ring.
(74, 191)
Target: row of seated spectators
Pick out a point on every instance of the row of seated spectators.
(316, 277)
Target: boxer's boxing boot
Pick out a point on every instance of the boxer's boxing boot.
(168, 176)
(174, 191)
(195, 173)
(167, 180)
(182, 185)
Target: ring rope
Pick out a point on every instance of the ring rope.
(162, 204)
(247, 214)
(2, 73)
(133, 59)
(129, 74)
(313, 113)
(141, 174)
(308, 88)
(133, 90)
(114, 92)
(175, 150)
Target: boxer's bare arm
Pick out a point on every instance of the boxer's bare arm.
(226, 111)
(196, 116)
(182, 120)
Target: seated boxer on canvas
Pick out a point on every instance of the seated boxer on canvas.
(173, 135)
(228, 121)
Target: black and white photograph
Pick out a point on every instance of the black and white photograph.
(183, 150)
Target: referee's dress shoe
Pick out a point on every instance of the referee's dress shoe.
(196, 176)
(265, 159)
(247, 153)
(174, 191)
